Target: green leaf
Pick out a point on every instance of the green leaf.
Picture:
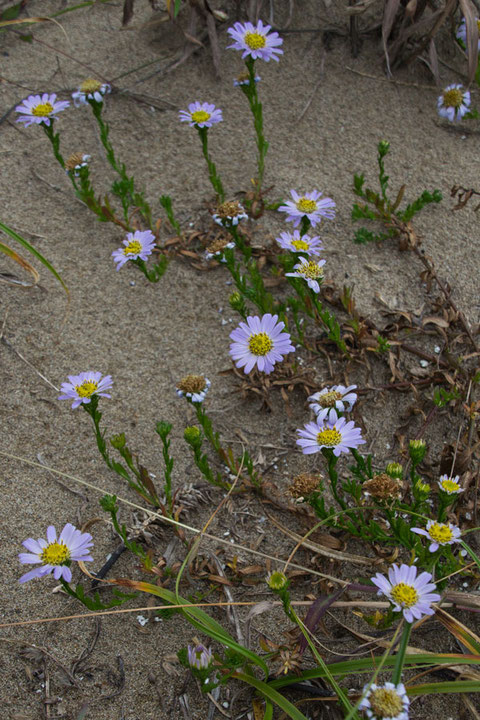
(271, 694)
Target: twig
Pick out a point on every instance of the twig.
(27, 362)
(391, 81)
(317, 85)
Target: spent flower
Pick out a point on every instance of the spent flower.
(300, 243)
(255, 41)
(90, 90)
(244, 79)
(76, 162)
(201, 115)
(55, 555)
(453, 103)
(385, 702)
(83, 387)
(138, 245)
(338, 398)
(449, 485)
(217, 248)
(335, 434)
(439, 534)
(193, 387)
(260, 342)
(311, 271)
(408, 593)
(37, 109)
(230, 213)
(309, 206)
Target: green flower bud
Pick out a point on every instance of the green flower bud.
(422, 489)
(163, 428)
(193, 436)
(383, 147)
(237, 302)
(417, 450)
(277, 580)
(109, 503)
(118, 441)
(395, 470)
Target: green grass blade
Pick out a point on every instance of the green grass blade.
(271, 694)
(8, 230)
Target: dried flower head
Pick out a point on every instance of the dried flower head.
(56, 555)
(193, 387)
(230, 213)
(83, 387)
(37, 109)
(309, 206)
(385, 702)
(201, 115)
(90, 90)
(408, 593)
(304, 485)
(383, 487)
(255, 41)
(244, 79)
(453, 103)
(76, 162)
(217, 247)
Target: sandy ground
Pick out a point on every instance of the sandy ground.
(148, 336)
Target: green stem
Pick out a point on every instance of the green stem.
(400, 656)
(250, 91)
(212, 170)
(55, 141)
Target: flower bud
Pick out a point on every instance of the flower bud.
(395, 470)
(277, 580)
(118, 441)
(417, 450)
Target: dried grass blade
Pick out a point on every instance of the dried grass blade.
(469, 14)
(389, 15)
(23, 263)
(461, 632)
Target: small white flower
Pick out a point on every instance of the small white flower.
(453, 103)
(90, 89)
(338, 397)
(385, 702)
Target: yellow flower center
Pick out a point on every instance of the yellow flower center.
(329, 437)
(260, 344)
(300, 245)
(311, 270)
(453, 98)
(134, 247)
(255, 41)
(200, 116)
(90, 85)
(306, 206)
(478, 25)
(42, 110)
(55, 554)
(385, 703)
(450, 486)
(405, 595)
(441, 533)
(329, 399)
(87, 388)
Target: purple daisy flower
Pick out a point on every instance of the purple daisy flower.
(300, 243)
(255, 41)
(138, 245)
(453, 103)
(201, 115)
(90, 89)
(449, 485)
(199, 657)
(461, 33)
(83, 387)
(260, 342)
(55, 555)
(37, 109)
(309, 270)
(385, 702)
(335, 433)
(328, 400)
(408, 593)
(439, 534)
(308, 205)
